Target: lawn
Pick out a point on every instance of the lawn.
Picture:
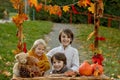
(37, 29)
(8, 41)
(110, 47)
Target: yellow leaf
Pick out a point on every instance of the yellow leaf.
(66, 8)
(91, 8)
(6, 73)
(90, 35)
(118, 76)
(8, 63)
(0, 57)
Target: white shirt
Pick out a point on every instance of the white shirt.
(71, 55)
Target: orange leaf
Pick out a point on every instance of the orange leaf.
(83, 3)
(54, 9)
(33, 3)
(92, 47)
(91, 8)
(38, 7)
(118, 76)
(19, 19)
(66, 8)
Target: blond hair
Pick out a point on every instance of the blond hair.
(37, 42)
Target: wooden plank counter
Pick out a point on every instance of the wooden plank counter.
(102, 77)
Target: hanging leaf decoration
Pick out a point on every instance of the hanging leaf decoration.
(91, 8)
(38, 7)
(66, 8)
(101, 38)
(33, 3)
(17, 4)
(100, 8)
(83, 3)
(19, 19)
(90, 35)
(98, 58)
(74, 10)
(24, 47)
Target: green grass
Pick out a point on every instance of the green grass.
(37, 29)
(110, 47)
(8, 41)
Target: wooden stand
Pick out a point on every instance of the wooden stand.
(102, 77)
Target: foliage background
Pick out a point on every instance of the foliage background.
(111, 7)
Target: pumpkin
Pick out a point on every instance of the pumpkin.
(85, 69)
(97, 69)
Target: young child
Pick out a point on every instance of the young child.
(66, 37)
(59, 62)
(38, 51)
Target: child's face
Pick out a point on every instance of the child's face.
(65, 40)
(40, 49)
(57, 64)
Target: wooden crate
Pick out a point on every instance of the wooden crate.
(102, 77)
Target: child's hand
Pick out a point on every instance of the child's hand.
(71, 73)
(36, 60)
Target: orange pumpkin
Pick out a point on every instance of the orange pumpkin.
(85, 69)
(97, 69)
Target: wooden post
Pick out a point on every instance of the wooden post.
(20, 28)
(109, 22)
(96, 24)
(71, 17)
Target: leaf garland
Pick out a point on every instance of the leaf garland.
(57, 10)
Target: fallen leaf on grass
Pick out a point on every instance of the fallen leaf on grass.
(118, 76)
(119, 61)
(8, 63)
(0, 57)
(6, 73)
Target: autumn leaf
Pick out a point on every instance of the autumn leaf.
(66, 8)
(38, 7)
(83, 3)
(46, 8)
(51, 9)
(118, 76)
(33, 3)
(6, 73)
(19, 19)
(92, 47)
(101, 38)
(0, 57)
(16, 51)
(59, 13)
(91, 8)
(8, 63)
(90, 35)
(54, 10)
(17, 3)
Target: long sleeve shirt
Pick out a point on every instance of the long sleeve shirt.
(43, 63)
(71, 55)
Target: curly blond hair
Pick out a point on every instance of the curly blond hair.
(37, 42)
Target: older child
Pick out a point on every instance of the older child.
(66, 37)
(59, 62)
(38, 51)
